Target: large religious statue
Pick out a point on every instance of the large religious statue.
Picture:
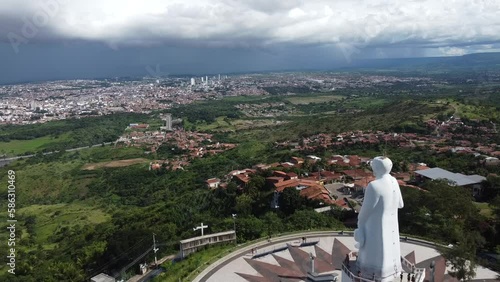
(377, 235)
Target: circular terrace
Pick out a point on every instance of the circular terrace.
(301, 257)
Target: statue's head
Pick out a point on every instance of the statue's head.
(381, 166)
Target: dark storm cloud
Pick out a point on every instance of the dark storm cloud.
(45, 39)
(231, 23)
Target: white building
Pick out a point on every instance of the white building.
(102, 278)
(168, 122)
(213, 183)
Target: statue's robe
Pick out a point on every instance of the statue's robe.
(378, 228)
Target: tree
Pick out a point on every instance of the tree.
(491, 187)
(444, 212)
(273, 223)
(249, 228)
(309, 219)
(495, 205)
(244, 205)
(462, 257)
(290, 200)
(257, 182)
(405, 167)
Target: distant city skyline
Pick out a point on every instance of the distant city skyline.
(62, 39)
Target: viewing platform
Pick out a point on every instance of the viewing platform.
(287, 259)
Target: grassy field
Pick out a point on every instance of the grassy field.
(299, 100)
(220, 124)
(243, 99)
(18, 147)
(65, 134)
(109, 153)
(45, 182)
(62, 180)
(470, 110)
(485, 209)
(476, 112)
(50, 218)
(119, 163)
(365, 102)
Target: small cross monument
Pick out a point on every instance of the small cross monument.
(200, 227)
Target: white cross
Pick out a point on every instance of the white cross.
(200, 227)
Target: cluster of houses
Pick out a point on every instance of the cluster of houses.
(449, 136)
(323, 140)
(352, 178)
(311, 185)
(193, 144)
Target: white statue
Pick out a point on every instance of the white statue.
(378, 229)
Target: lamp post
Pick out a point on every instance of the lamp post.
(234, 228)
(155, 249)
(312, 263)
(433, 268)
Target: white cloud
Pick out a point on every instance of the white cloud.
(452, 51)
(361, 23)
(479, 48)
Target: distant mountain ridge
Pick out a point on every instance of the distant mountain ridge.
(464, 63)
(470, 61)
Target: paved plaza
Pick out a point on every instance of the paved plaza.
(290, 260)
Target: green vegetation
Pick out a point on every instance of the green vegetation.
(445, 214)
(205, 111)
(220, 124)
(80, 222)
(65, 134)
(19, 147)
(51, 219)
(81, 213)
(297, 100)
(485, 210)
(180, 270)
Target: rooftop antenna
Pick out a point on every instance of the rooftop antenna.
(319, 173)
(385, 148)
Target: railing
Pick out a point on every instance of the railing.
(276, 249)
(419, 272)
(408, 264)
(353, 277)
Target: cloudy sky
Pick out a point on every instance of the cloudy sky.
(48, 39)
